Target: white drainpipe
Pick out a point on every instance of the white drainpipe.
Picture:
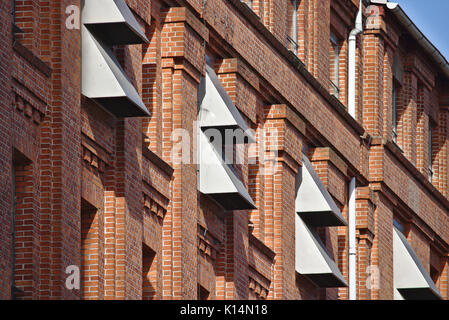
(352, 42)
(352, 242)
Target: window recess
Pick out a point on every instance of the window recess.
(398, 75)
(335, 65)
(394, 112)
(292, 37)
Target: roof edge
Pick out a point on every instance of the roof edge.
(438, 58)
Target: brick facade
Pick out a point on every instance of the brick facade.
(81, 187)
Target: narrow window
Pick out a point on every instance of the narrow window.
(292, 37)
(394, 113)
(335, 65)
(430, 154)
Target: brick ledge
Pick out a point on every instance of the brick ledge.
(34, 60)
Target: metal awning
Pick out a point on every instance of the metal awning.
(112, 21)
(217, 109)
(312, 259)
(219, 180)
(104, 80)
(313, 202)
(411, 280)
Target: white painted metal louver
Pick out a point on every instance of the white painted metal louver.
(313, 202)
(218, 179)
(313, 260)
(106, 23)
(217, 110)
(411, 280)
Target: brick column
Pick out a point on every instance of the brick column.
(124, 207)
(280, 197)
(182, 64)
(152, 82)
(60, 158)
(333, 173)
(366, 273)
(373, 74)
(382, 250)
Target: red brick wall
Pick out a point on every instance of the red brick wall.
(105, 195)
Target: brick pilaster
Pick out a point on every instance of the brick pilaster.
(183, 60)
(373, 74)
(382, 253)
(60, 159)
(367, 273)
(280, 197)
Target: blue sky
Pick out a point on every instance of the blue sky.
(431, 17)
